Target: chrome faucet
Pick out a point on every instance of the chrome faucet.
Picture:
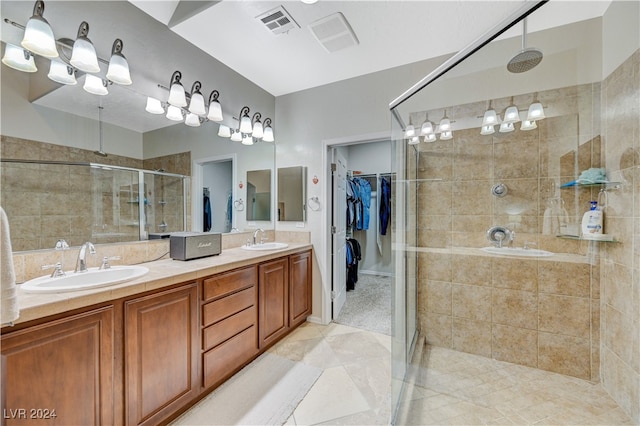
(255, 235)
(81, 263)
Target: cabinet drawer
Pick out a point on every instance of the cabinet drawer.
(221, 331)
(229, 282)
(225, 307)
(220, 362)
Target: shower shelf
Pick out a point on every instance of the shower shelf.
(604, 185)
(604, 239)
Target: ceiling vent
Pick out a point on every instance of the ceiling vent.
(334, 32)
(278, 20)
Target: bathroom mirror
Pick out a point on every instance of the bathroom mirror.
(259, 194)
(292, 185)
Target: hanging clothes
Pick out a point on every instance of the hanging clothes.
(365, 203)
(384, 191)
(354, 209)
(229, 211)
(206, 214)
(354, 255)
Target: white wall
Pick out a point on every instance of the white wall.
(620, 34)
(22, 119)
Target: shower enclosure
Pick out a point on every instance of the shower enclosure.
(550, 301)
(51, 200)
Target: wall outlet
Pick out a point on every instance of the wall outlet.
(299, 224)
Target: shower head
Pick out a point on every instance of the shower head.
(526, 59)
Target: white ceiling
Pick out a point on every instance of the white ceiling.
(391, 33)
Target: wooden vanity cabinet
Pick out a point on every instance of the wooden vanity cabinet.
(273, 297)
(161, 354)
(60, 372)
(299, 288)
(229, 324)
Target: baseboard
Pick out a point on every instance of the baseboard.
(315, 320)
(382, 274)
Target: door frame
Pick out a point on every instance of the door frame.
(197, 183)
(327, 145)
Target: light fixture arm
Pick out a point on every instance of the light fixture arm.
(83, 30)
(117, 47)
(213, 97)
(195, 88)
(175, 78)
(38, 9)
(244, 112)
(256, 118)
(267, 122)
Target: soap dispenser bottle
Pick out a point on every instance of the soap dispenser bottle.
(592, 221)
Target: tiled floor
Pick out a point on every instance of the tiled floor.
(464, 389)
(456, 388)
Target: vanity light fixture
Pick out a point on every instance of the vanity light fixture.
(154, 106)
(236, 136)
(268, 131)
(506, 127)
(224, 131)
(177, 97)
(215, 109)
(245, 120)
(18, 58)
(487, 130)
(83, 56)
(174, 113)
(511, 114)
(247, 139)
(409, 131)
(118, 70)
(257, 129)
(528, 125)
(192, 120)
(536, 111)
(413, 140)
(62, 73)
(95, 85)
(196, 103)
(490, 117)
(38, 35)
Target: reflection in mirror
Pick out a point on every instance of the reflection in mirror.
(292, 184)
(259, 194)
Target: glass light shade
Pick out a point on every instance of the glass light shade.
(174, 113)
(38, 38)
(410, 131)
(196, 105)
(426, 129)
(528, 125)
(431, 137)
(236, 136)
(446, 135)
(177, 97)
(95, 85)
(490, 118)
(258, 131)
(215, 112)
(192, 120)
(154, 106)
(487, 130)
(445, 125)
(224, 131)
(506, 128)
(413, 140)
(245, 125)
(83, 56)
(268, 134)
(14, 57)
(247, 139)
(61, 73)
(511, 115)
(536, 112)
(118, 70)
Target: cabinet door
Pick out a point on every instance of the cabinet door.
(161, 354)
(60, 372)
(273, 300)
(299, 288)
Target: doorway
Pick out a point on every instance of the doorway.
(213, 194)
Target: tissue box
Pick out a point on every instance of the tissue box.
(194, 245)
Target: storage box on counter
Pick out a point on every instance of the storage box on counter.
(194, 245)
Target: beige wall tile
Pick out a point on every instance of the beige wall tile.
(516, 274)
(475, 270)
(617, 286)
(436, 266)
(570, 279)
(438, 297)
(515, 308)
(471, 197)
(471, 302)
(472, 336)
(437, 330)
(618, 333)
(564, 354)
(513, 344)
(564, 315)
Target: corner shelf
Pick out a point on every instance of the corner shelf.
(605, 239)
(604, 185)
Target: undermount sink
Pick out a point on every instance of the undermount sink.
(93, 278)
(517, 251)
(266, 246)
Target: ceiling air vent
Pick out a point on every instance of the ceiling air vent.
(334, 32)
(278, 20)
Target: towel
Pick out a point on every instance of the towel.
(9, 310)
